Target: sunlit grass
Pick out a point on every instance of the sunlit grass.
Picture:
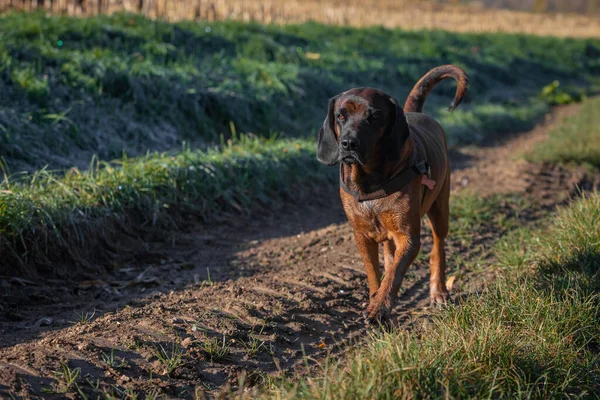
(574, 141)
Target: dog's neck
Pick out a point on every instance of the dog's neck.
(368, 178)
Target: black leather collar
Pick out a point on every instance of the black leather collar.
(395, 184)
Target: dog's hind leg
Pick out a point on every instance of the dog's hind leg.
(438, 219)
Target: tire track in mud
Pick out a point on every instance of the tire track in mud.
(246, 301)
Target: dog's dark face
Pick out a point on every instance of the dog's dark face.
(363, 126)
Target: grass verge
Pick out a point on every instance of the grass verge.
(38, 210)
(532, 334)
(575, 141)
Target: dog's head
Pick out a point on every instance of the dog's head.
(362, 126)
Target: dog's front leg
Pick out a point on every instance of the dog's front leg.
(369, 252)
(407, 248)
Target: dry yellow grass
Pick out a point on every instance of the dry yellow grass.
(405, 14)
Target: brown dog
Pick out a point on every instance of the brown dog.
(394, 170)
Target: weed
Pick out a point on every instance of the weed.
(215, 348)
(116, 393)
(66, 378)
(554, 95)
(84, 318)
(170, 360)
(110, 360)
(208, 281)
(253, 345)
(153, 395)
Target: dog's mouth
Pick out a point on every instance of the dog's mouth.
(350, 159)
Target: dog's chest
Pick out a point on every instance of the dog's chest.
(372, 222)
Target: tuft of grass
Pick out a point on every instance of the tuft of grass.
(171, 360)
(110, 360)
(575, 141)
(66, 379)
(115, 393)
(84, 318)
(215, 348)
(254, 345)
(532, 334)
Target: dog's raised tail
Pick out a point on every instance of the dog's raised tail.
(417, 96)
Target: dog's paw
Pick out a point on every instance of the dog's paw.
(439, 297)
(378, 313)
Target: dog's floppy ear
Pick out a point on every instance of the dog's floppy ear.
(328, 151)
(396, 133)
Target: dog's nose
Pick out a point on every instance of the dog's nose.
(349, 143)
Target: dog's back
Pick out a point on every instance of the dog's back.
(430, 135)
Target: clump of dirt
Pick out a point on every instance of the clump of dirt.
(215, 307)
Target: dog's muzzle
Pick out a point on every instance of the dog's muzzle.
(350, 158)
(349, 150)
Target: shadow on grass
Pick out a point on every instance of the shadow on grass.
(579, 271)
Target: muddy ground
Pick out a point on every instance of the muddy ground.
(245, 300)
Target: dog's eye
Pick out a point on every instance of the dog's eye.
(373, 117)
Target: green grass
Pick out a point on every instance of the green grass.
(71, 88)
(66, 378)
(532, 334)
(575, 141)
(37, 210)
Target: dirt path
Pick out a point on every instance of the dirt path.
(242, 301)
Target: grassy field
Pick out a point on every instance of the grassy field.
(72, 88)
(532, 334)
(124, 87)
(577, 141)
